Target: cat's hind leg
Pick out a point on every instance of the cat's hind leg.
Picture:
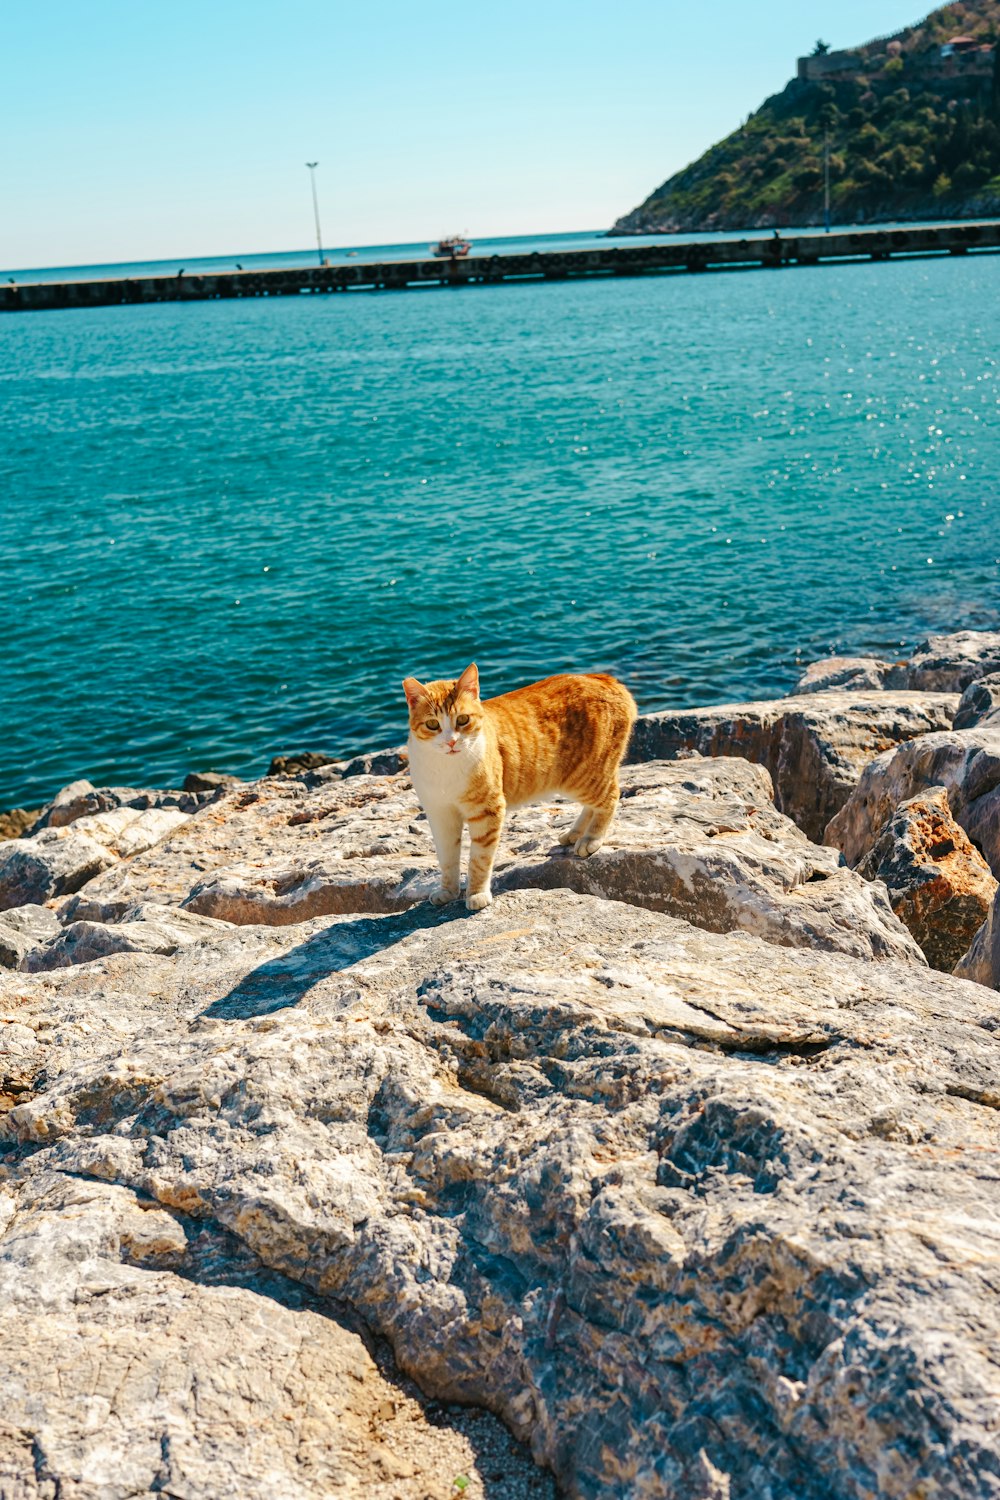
(600, 819)
(578, 828)
(446, 831)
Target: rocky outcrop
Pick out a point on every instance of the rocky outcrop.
(814, 747)
(699, 839)
(60, 859)
(980, 703)
(18, 820)
(687, 1210)
(940, 664)
(982, 962)
(148, 1354)
(939, 885)
(845, 674)
(948, 663)
(965, 762)
(82, 800)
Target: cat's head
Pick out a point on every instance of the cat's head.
(447, 716)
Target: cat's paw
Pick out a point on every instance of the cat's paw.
(480, 900)
(568, 836)
(443, 897)
(585, 847)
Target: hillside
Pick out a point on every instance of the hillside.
(913, 127)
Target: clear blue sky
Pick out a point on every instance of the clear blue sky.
(145, 129)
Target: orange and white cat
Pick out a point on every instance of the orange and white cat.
(470, 760)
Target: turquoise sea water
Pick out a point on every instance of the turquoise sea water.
(228, 529)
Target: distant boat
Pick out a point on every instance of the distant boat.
(452, 247)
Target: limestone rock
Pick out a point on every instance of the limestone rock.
(846, 674)
(80, 800)
(939, 885)
(143, 929)
(948, 663)
(60, 860)
(694, 1213)
(980, 703)
(378, 763)
(814, 747)
(145, 1354)
(23, 930)
(966, 762)
(982, 962)
(55, 862)
(697, 838)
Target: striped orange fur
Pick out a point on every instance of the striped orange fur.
(470, 760)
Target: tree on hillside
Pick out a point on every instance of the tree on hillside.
(821, 49)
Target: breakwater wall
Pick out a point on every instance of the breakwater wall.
(669, 255)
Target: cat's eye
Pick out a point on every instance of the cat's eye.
(461, 721)
(432, 724)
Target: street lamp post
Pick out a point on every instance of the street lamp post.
(312, 165)
(826, 180)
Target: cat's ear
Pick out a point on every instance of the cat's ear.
(413, 690)
(469, 681)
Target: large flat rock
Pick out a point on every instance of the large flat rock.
(814, 746)
(699, 839)
(696, 1214)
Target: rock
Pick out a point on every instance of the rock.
(70, 803)
(54, 862)
(145, 1354)
(701, 839)
(939, 885)
(59, 860)
(24, 930)
(696, 838)
(379, 763)
(982, 962)
(814, 747)
(209, 781)
(17, 820)
(948, 663)
(847, 674)
(295, 765)
(966, 762)
(980, 703)
(695, 1214)
(80, 800)
(143, 929)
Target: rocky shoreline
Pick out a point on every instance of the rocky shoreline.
(682, 1160)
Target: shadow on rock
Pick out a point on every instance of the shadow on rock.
(282, 982)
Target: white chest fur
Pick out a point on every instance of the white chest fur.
(439, 778)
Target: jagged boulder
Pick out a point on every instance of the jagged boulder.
(59, 860)
(25, 930)
(966, 762)
(81, 799)
(980, 703)
(815, 747)
(939, 885)
(982, 962)
(948, 663)
(684, 1208)
(845, 674)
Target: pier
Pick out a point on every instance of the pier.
(771, 252)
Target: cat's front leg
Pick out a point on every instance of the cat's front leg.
(446, 831)
(484, 838)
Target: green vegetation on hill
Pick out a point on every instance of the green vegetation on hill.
(910, 134)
